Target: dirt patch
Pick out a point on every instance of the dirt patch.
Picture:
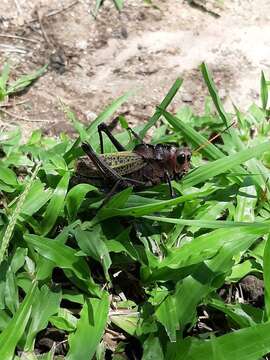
(146, 48)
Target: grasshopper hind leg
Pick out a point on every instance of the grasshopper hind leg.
(110, 194)
(104, 128)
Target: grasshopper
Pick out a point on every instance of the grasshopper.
(147, 165)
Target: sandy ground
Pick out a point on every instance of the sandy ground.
(145, 48)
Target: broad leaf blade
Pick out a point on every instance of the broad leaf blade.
(90, 327)
(55, 206)
(16, 327)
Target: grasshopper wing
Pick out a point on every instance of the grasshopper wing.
(123, 162)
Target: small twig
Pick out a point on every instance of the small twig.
(3, 126)
(61, 343)
(64, 8)
(23, 118)
(57, 11)
(115, 334)
(12, 48)
(123, 313)
(18, 6)
(19, 38)
(10, 104)
(44, 33)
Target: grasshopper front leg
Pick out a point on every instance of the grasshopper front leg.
(172, 193)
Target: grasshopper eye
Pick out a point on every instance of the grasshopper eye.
(181, 158)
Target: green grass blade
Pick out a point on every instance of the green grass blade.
(209, 224)
(264, 91)
(8, 176)
(152, 349)
(246, 202)
(106, 114)
(223, 165)
(119, 4)
(152, 207)
(26, 80)
(3, 81)
(14, 331)
(92, 128)
(64, 257)
(92, 244)
(179, 309)
(214, 94)
(193, 136)
(71, 116)
(90, 328)
(266, 278)
(238, 312)
(246, 344)
(46, 304)
(55, 205)
(75, 198)
(207, 245)
(97, 7)
(37, 197)
(164, 104)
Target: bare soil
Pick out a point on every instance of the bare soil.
(93, 61)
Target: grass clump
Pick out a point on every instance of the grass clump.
(7, 89)
(145, 276)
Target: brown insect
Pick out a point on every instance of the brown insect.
(145, 166)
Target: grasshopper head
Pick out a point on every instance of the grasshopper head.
(182, 161)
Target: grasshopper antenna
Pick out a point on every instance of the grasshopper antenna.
(213, 138)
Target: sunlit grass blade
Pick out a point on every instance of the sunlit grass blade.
(152, 207)
(8, 176)
(250, 343)
(179, 309)
(246, 202)
(223, 165)
(193, 136)
(264, 91)
(209, 224)
(206, 246)
(164, 104)
(119, 4)
(92, 244)
(214, 94)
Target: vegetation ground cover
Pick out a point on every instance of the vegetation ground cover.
(145, 276)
